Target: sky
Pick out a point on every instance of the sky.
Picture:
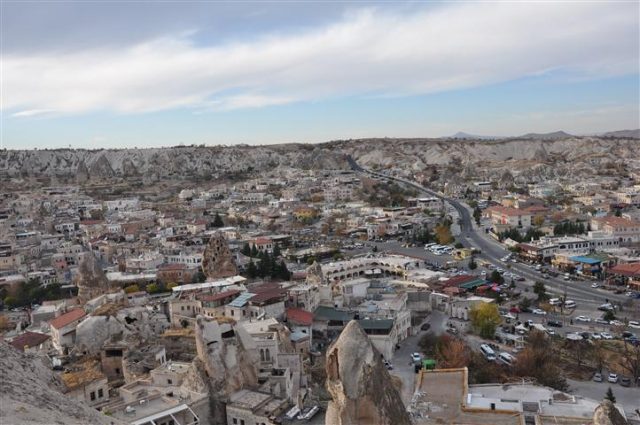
(113, 74)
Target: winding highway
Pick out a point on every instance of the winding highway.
(492, 251)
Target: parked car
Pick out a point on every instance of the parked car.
(606, 335)
(516, 310)
(554, 323)
(597, 377)
(613, 378)
(539, 312)
(606, 307)
(583, 319)
(601, 321)
(595, 285)
(625, 382)
(596, 335)
(425, 326)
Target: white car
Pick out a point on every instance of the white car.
(416, 357)
(613, 378)
(583, 319)
(633, 324)
(616, 323)
(606, 335)
(539, 312)
(595, 285)
(596, 335)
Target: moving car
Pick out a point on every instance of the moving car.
(595, 285)
(570, 304)
(583, 319)
(554, 323)
(416, 357)
(539, 312)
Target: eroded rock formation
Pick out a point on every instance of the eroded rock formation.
(360, 386)
(217, 260)
(315, 275)
(607, 414)
(226, 362)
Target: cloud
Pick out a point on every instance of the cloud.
(367, 53)
(33, 113)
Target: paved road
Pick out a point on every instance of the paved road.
(627, 397)
(493, 251)
(402, 365)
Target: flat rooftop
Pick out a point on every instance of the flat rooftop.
(440, 399)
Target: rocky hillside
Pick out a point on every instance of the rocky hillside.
(31, 395)
(175, 162)
(541, 157)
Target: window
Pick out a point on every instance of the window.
(100, 393)
(235, 420)
(92, 395)
(169, 382)
(241, 421)
(117, 371)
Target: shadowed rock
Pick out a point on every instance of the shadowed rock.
(360, 386)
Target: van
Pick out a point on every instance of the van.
(570, 304)
(506, 358)
(488, 352)
(554, 301)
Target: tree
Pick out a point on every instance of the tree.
(477, 214)
(472, 263)
(525, 304)
(443, 234)
(246, 249)
(254, 250)
(251, 270)
(540, 290)
(609, 395)
(452, 353)
(217, 221)
(132, 288)
(152, 288)
(609, 316)
(496, 277)
(539, 360)
(485, 318)
(276, 251)
(538, 220)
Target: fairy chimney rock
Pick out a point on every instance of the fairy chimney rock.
(360, 386)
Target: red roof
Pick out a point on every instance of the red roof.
(219, 296)
(28, 339)
(513, 212)
(616, 221)
(631, 270)
(299, 316)
(67, 318)
(262, 241)
(459, 280)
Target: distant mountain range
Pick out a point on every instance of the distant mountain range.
(556, 135)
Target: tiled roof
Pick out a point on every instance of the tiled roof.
(28, 339)
(218, 296)
(69, 317)
(632, 270)
(299, 316)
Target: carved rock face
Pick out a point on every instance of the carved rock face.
(315, 275)
(217, 261)
(360, 386)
